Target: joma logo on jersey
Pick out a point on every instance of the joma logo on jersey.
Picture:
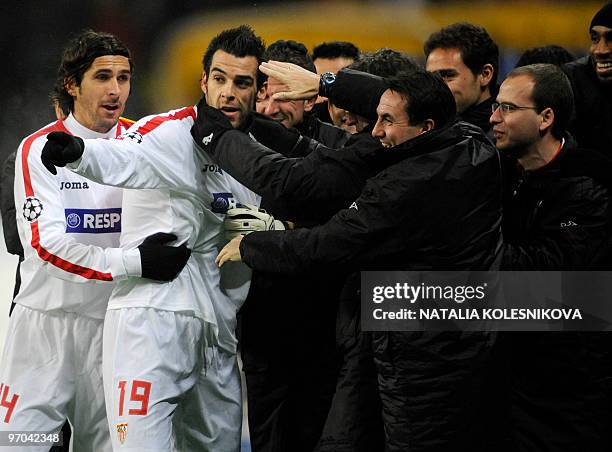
(212, 169)
(93, 221)
(73, 185)
(222, 202)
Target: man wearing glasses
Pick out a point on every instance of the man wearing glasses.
(556, 217)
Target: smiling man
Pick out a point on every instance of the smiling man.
(591, 79)
(297, 112)
(397, 122)
(445, 171)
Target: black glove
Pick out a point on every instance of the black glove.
(60, 149)
(159, 261)
(209, 125)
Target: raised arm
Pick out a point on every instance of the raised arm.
(151, 154)
(324, 181)
(42, 227)
(351, 90)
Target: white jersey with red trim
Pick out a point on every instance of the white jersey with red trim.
(70, 228)
(186, 194)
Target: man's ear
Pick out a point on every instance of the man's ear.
(310, 103)
(203, 83)
(426, 126)
(71, 87)
(548, 118)
(486, 75)
(262, 92)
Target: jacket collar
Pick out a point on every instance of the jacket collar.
(479, 114)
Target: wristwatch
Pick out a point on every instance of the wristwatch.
(325, 83)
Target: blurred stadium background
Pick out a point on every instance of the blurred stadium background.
(168, 38)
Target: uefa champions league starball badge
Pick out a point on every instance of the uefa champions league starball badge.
(32, 209)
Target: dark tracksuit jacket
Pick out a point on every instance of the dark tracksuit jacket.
(436, 204)
(556, 386)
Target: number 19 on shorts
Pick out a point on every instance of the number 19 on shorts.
(138, 403)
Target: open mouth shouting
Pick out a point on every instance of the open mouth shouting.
(111, 107)
(233, 113)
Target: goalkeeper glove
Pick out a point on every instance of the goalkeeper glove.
(247, 219)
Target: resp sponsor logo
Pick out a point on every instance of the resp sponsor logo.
(73, 220)
(222, 202)
(93, 221)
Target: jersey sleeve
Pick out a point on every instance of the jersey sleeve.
(152, 154)
(42, 226)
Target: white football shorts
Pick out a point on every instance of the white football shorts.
(50, 370)
(166, 388)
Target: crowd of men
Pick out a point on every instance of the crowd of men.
(154, 252)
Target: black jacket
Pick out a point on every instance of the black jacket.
(592, 122)
(290, 365)
(439, 207)
(7, 207)
(326, 134)
(479, 115)
(557, 217)
(306, 189)
(9, 222)
(357, 92)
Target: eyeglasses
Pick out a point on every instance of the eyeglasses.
(508, 108)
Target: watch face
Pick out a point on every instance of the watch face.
(329, 77)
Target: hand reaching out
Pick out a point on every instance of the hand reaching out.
(230, 252)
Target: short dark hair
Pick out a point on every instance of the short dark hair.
(290, 52)
(78, 57)
(551, 89)
(239, 42)
(384, 63)
(551, 54)
(335, 49)
(427, 97)
(474, 43)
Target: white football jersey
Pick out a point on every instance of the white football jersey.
(173, 186)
